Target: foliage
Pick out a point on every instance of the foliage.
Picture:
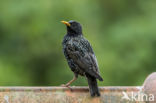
(122, 33)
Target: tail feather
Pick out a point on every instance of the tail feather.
(93, 87)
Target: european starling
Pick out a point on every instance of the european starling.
(80, 56)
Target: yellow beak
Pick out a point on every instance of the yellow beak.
(65, 22)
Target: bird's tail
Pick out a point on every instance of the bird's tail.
(93, 87)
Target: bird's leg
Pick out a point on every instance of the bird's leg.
(71, 81)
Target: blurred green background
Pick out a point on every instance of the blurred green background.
(122, 33)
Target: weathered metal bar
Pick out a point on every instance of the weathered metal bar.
(117, 94)
(66, 95)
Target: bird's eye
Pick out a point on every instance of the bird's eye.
(71, 23)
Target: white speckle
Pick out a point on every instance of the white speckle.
(6, 98)
(140, 88)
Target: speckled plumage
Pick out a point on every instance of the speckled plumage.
(80, 57)
(78, 48)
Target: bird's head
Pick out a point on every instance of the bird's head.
(73, 27)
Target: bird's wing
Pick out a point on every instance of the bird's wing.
(82, 54)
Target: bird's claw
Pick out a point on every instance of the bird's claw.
(64, 85)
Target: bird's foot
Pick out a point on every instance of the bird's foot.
(65, 85)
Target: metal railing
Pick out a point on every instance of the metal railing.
(114, 94)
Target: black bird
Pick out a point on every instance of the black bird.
(80, 56)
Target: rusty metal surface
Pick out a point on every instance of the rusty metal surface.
(65, 95)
